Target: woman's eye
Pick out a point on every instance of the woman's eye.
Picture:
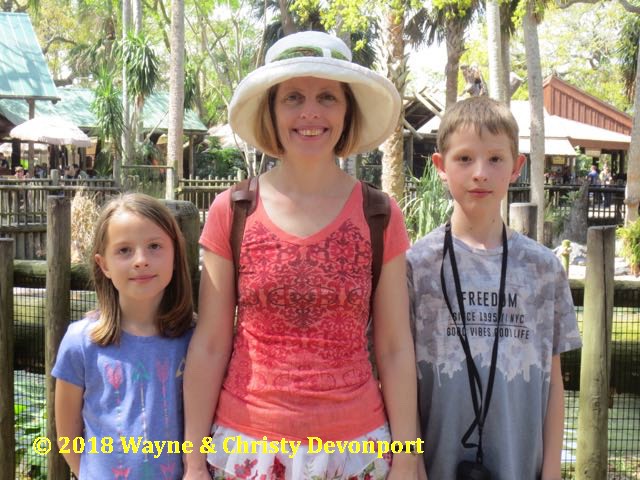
(155, 246)
(327, 98)
(292, 98)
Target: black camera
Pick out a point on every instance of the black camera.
(472, 471)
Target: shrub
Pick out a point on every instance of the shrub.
(430, 207)
(630, 235)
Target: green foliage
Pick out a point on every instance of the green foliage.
(141, 64)
(627, 49)
(430, 207)
(107, 108)
(454, 8)
(103, 164)
(215, 161)
(630, 235)
(583, 164)
(30, 412)
(190, 85)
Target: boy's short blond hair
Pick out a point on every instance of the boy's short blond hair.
(481, 113)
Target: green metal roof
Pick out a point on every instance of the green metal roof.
(23, 68)
(75, 106)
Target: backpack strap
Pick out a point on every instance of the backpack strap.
(377, 212)
(243, 199)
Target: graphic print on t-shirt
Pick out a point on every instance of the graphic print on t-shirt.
(522, 325)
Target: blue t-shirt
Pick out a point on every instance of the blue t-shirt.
(132, 390)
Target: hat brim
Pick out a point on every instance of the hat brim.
(377, 98)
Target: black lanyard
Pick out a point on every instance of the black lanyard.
(480, 405)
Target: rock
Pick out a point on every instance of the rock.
(575, 228)
(578, 255)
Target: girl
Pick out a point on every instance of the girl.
(119, 370)
(298, 365)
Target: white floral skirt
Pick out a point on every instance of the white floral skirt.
(233, 459)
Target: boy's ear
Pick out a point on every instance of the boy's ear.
(438, 162)
(102, 264)
(517, 166)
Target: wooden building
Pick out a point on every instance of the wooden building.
(567, 101)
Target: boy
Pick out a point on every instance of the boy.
(511, 382)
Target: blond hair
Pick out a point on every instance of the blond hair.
(479, 113)
(175, 313)
(267, 133)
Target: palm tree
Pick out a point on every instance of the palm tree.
(536, 156)
(107, 108)
(142, 73)
(632, 193)
(394, 64)
(447, 22)
(176, 97)
(496, 86)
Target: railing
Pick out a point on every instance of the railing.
(202, 192)
(23, 205)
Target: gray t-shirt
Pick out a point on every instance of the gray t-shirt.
(538, 322)
(133, 390)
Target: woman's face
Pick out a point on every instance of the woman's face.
(309, 115)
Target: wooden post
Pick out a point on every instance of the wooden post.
(7, 420)
(591, 458)
(522, 218)
(188, 218)
(57, 312)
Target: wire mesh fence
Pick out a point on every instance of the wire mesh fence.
(29, 374)
(624, 402)
(624, 396)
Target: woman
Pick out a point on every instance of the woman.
(298, 365)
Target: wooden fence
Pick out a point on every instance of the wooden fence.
(23, 212)
(23, 208)
(201, 192)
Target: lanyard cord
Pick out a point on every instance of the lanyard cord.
(480, 405)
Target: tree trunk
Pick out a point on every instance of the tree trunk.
(137, 16)
(138, 105)
(288, 25)
(495, 56)
(536, 157)
(127, 139)
(454, 37)
(176, 98)
(632, 193)
(505, 40)
(395, 66)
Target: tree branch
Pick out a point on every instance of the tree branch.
(567, 3)
(629, 7)
(56, 39)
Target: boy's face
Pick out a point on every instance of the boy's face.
(478, 169)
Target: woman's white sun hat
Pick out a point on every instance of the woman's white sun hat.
(317, 54)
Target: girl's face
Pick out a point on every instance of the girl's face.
(310, 115)
(138, 259)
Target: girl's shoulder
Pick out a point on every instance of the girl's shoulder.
(81, 329)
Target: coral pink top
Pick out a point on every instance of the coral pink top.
(300, 363)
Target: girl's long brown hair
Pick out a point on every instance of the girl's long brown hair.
(175, 313)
